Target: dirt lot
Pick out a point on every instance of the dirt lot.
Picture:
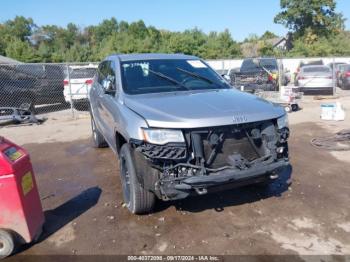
(82, 199)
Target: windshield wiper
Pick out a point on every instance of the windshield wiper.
(172, 80)
(195, 75)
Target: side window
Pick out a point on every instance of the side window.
(114, 73)
(102, 71)
(109, 72)
(106, 70)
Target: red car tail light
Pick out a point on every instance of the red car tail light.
(65, 83)
(89, 81)
(347, 73)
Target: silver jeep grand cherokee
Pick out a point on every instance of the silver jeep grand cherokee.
(179, 128)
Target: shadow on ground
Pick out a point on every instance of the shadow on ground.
(57, 218)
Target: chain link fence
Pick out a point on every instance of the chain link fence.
(46, 88)
(62, 88)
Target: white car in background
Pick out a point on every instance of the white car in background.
(315, 79)
(77, 85)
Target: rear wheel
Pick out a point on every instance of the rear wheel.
(7, 243)
(295, 107)
(97, 137)
(137, 199)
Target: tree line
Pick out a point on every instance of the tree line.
(315, 29)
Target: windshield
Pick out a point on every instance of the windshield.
(154, 76)
(83, 73)
(249, 65)
(316, 69)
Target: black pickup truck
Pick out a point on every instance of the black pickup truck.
(256, 74)
(31, 84)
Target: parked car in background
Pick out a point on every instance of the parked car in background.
(344, 77)
(179, 128)
(77, 85)
(28, 85)
(341, 69)
(302, 64)
(256, 74)
(334, 66)
(315, 79)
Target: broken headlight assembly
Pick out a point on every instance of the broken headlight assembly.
(162, 136)
(283, 128)
(282, 122)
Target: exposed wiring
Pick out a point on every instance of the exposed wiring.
(338, 142)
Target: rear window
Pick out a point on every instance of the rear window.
(342, 67)
(83, 73)
(317, 62)
(319, 69)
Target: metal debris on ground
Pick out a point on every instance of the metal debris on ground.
(338, 142)
(325, 97)
(15, 116)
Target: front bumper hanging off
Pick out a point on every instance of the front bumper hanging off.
(229, 176)
(175, 189)
(213, 157)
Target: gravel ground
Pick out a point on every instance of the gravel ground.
(305, 212)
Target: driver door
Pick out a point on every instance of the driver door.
(107, 102)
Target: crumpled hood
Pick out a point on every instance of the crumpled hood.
(195, 109)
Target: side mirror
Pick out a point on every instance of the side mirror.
(108, 86)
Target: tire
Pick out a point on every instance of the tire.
(295, 107)
(137, 199)
(7, 243)
(97, 137)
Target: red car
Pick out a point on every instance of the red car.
(344, 77)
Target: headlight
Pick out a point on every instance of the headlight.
(162, 136)
(282, 121)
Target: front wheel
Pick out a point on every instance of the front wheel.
(137, 199)
(7, 243)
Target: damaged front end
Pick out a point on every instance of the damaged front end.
(213, 156)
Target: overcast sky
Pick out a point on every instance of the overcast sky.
(241, 17)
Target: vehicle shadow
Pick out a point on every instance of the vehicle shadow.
(232, 197)
(57, 218)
